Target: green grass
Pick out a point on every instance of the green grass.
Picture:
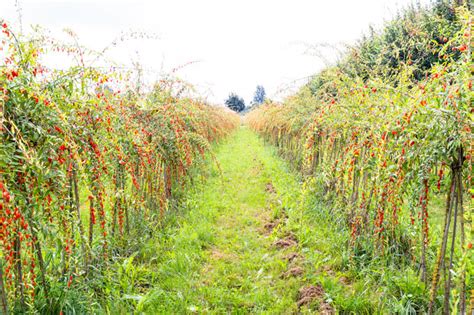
(214, 254)
(219, 257)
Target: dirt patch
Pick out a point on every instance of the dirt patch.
(215, 254)
(269, 226)
(289, 240)
(310, 294)
(291, 236)
(285, 243)
(293, 256)
(326, 309)
(344, 280)
(328, 270)
(269, 188)
(293, 272)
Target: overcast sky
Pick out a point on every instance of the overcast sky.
(234, 44)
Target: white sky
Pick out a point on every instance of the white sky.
(237, 44)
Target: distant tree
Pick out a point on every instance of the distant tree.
(259, 96)
(235, 102)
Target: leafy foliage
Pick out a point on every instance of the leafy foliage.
(85, 170)
(235, 102)
(259, 96)
(381, 135)
(412, 43)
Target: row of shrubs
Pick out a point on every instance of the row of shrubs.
(88, 167)
(385, 136)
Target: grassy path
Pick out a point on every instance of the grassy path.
(232, 250)
(251, 239)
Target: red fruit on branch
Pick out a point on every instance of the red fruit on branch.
(462, 48)
(440, 175)
(48, 199)
(16, 215)
(92, 214)
(6, 196)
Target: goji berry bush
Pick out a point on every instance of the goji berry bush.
(87, 163)
(381, 134)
